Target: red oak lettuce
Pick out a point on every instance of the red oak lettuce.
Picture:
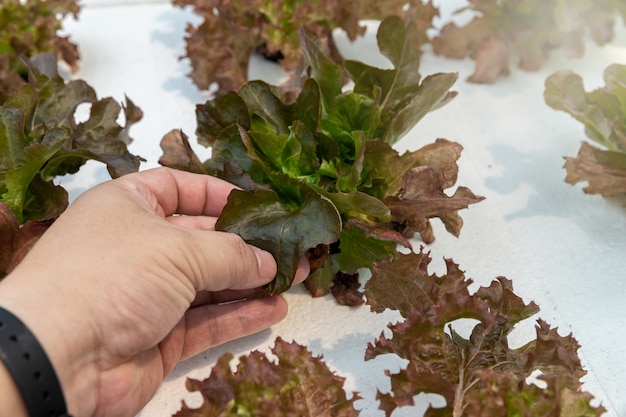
(526, 30)
(231, 31)
(603, 113)
(319, 171)
(480, 375)
(28, 28)
(297, 384)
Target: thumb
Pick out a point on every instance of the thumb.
(219, 260)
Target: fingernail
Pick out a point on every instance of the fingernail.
(259, 258)
(267, 264)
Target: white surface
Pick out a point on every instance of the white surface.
(563, 249)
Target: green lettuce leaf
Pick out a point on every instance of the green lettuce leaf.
(400, 94)
(357, 250)
(40, 139)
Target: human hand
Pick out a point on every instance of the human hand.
(120, 288)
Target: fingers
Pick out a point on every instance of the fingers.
(180, 192)
(212, 325)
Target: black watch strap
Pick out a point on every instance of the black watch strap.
(30, 368)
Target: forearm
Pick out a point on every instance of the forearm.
(11, 404)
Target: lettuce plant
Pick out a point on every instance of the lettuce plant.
(478, 375)
(319, 174)
(231, 31)
(40, 140)
(28, 28)
(298, 384)
(603, 113)
(527, 30)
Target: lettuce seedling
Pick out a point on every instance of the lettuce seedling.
(297, 384)
(319, 174)
(527, 30)
(480, 375)
(28, 28)
(40, 140)
(603, 113)
(219, 49)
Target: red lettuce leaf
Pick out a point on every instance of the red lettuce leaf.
(422, 195)
(298, 384)
(15, 240)
(477, 375)
(604, 171)
(263, 220)
(603, 113)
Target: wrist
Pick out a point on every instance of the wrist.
(42, 310)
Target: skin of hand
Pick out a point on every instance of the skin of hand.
(131, 279)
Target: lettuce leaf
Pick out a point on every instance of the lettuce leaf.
(603, 114)
(16, 240)
(264, 221)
